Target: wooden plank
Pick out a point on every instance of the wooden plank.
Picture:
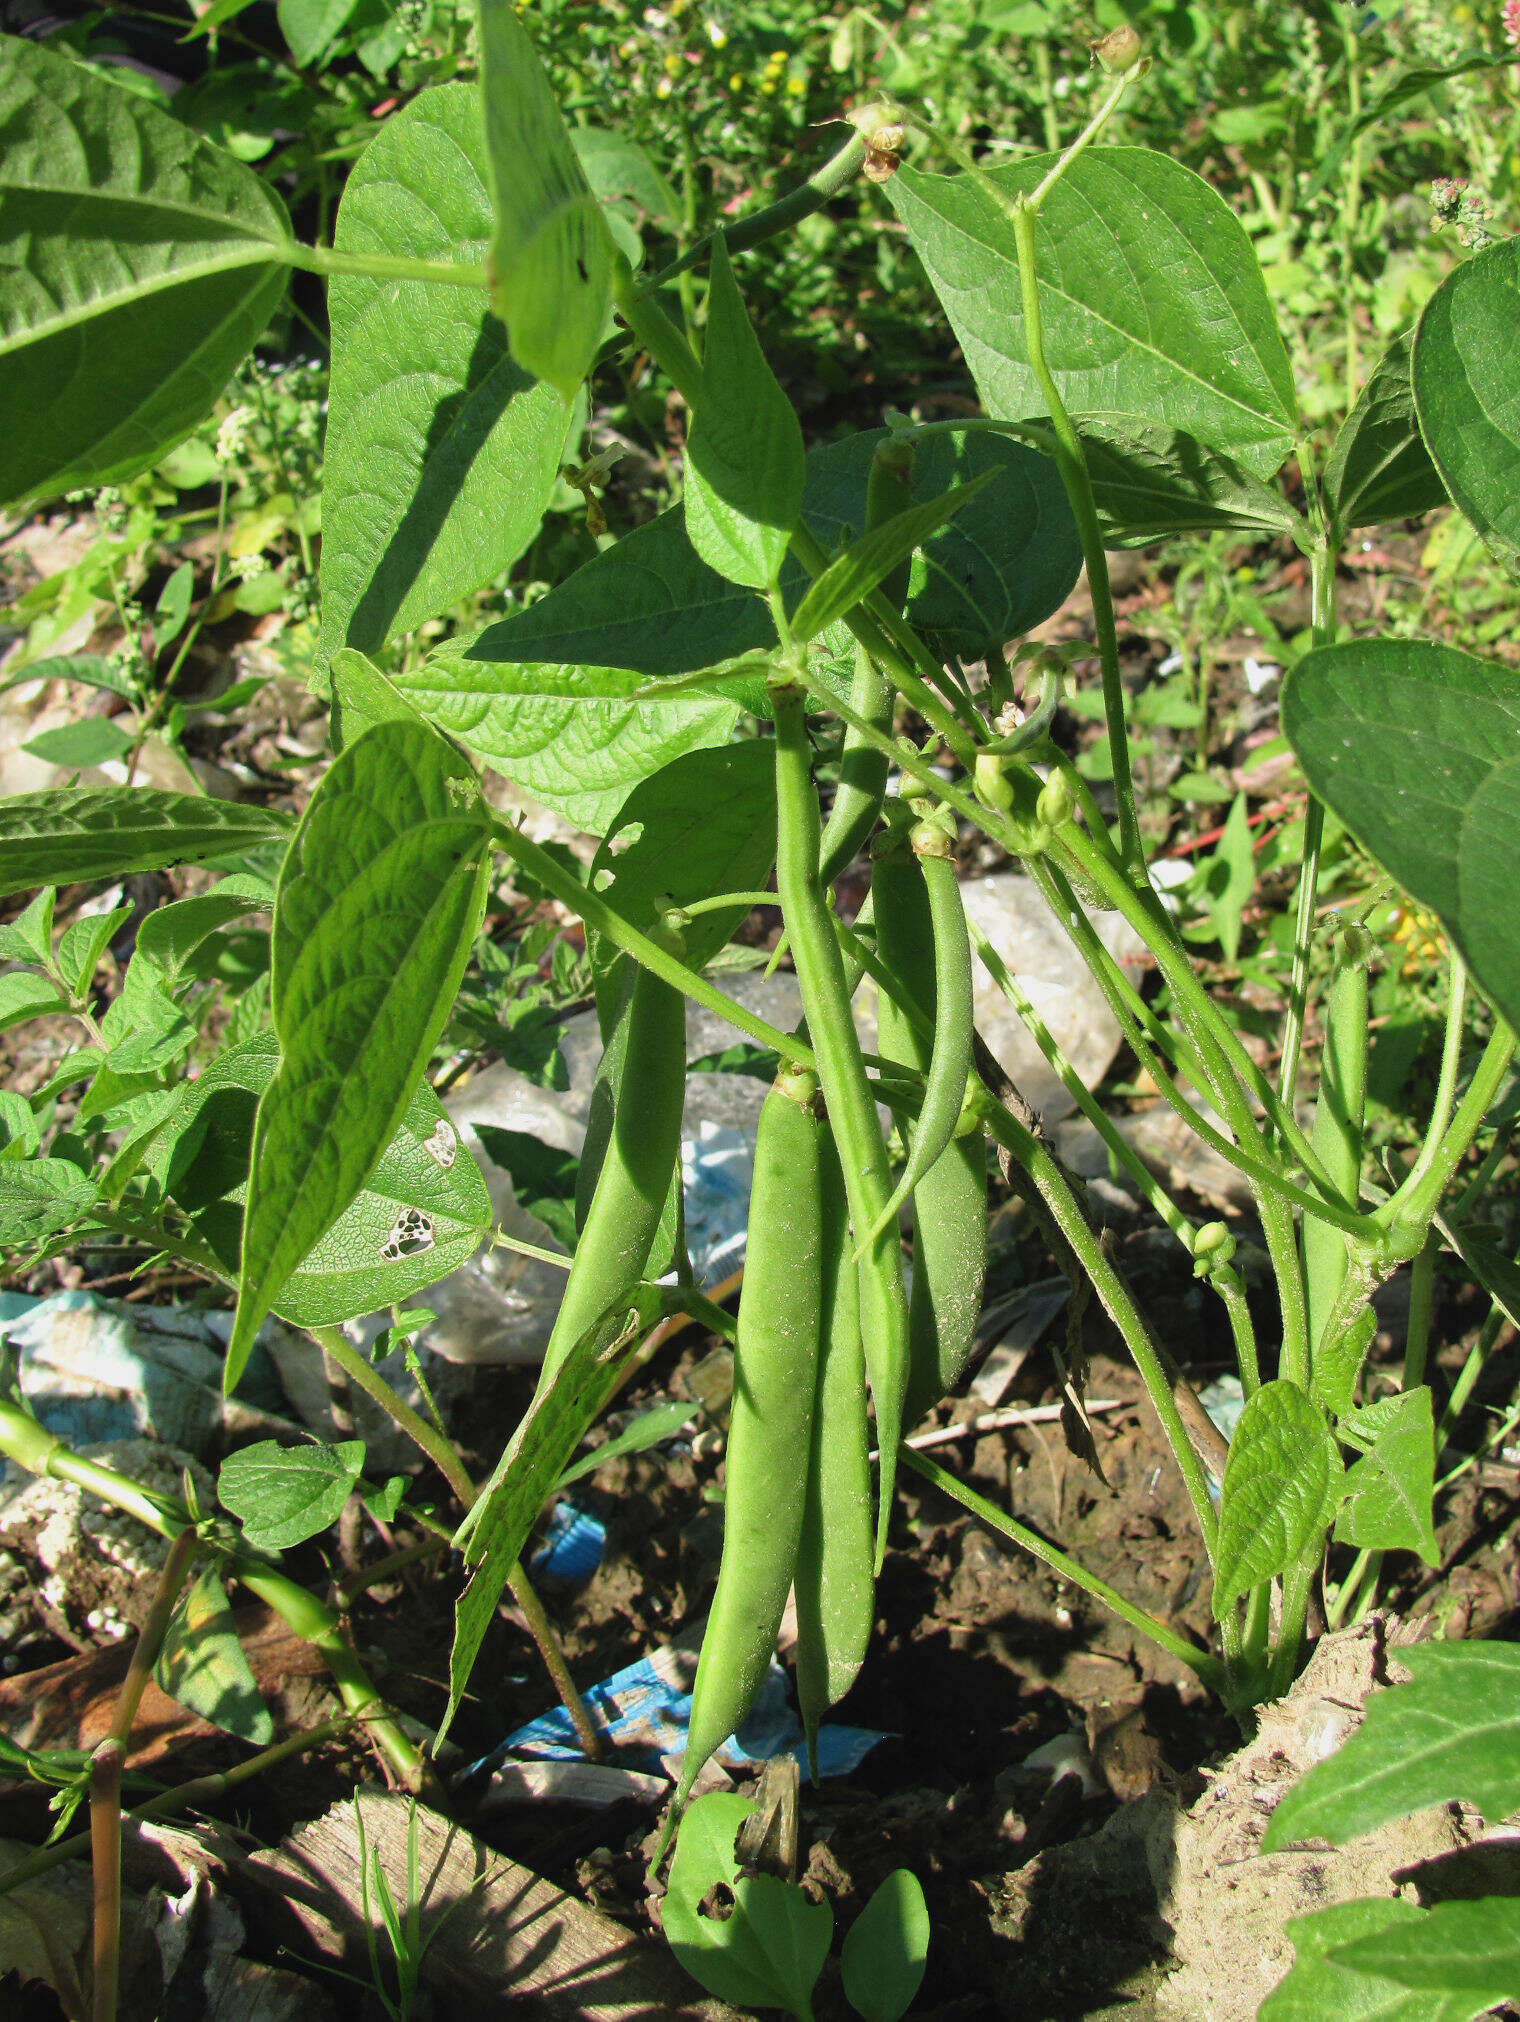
(505, 1935)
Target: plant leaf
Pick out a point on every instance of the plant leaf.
(1471, 1949)
(1227, 877)
(650, 603)
(1452, 1733)
(77, 834)
(283, 1495)
(1410, 85)
(1281, 1484)
(1151, 482)
(362, 697)
(1467, 389)
(202, 1664)
(379, 899)
(852, 575)
(92, 740)
(311, 26)
(551, 252)
(886, 1949)
(542, 1176)
(650, 1428)
(40, 1196)
(94, 670)
(573, 737)
(770, 1948)
(1318, 1989)
(616, 166)
(1389, 1491)
(137, 265)
(1152, 302)
(1378, 468)
(745, 463)
(1417, 748)
(441, 451)
(24, 996)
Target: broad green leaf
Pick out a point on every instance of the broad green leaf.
(171, 934)
(1452, 1733)
(85, 940)
(379, 899)
(137, 266)
(542, 1176)
(1153, 305)
(1149, 483)
(282, 1495)
(24, 996)
(493, 1534)
(1319, 1989)
(1470, 1949)
(77, 834)
(310, 26)
(1379, 468)
(551, 252)
(745, 463)
(1281, 1485)
(573, 737)
(40, 1197)
(650, 1428)
(769, 1948)
(420, 1214)
(202, 1664)
(651, 604)
(1388, 1492)
(886, 1949)
(1417, 748)
(93, 740)
(616, 166)
(93, 670)
(855, 572)
(441, 452)
(362, 697)
(29, 937)
(1467, 389)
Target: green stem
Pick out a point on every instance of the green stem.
(1416, 1204)
(825, 183)
(1422, 1278)
(1322, 559)
(1339, 1121)
(1071, 462)
(1199, 1662)
(1446, 1079)
(1297, 1584)
(384, 266)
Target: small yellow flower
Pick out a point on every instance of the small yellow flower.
(795, 87)
(717, 35)
(768, 85)
(736, 82)
(672, 66)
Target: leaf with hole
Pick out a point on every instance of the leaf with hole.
(441, 451)
(1153, 307)
(379, 899)
(137, 265)
(1417, 748)
(1281, 1485)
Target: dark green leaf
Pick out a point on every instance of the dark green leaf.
(650, 603)
(1281, 1485)
(1417, 748)
(310, 26)
(551, 252)
(542, 1176)
(1497, 1274)
(770, 1947)
(137, 266)
(616, 166)
(1319, 1990)
(745, 464)
(94, 670)
(1153, 306)
(202, 1664)
(886, 1949)
(379, 899)
(852, 575)
(93, 740)
(1151, 482)
(650, 1428)
(1453, 1733)
(283, 1495)
(1471, 1949)
(77, 834)
(573, 737)
(40, 1197)
(441, 452)
(1467, 389)
(173, 606)
(1388, 1493)
(1379, 468)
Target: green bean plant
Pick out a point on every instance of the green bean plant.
(668, 697)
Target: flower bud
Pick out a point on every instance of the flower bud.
(1117, 51)
(993, 786)
(1057, 803)
(1215, 1242)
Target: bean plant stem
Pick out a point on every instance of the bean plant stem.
(1422, 1276)
(1418, 1202)
(1322, 558)
(825, 183)
(1297, 1585)
(1446, 1079)
(385, 267)
(1206, 1668)
(105, 1862)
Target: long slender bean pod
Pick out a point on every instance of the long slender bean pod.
(950, 1202)
(770, 1426)
(634, 1183)
(835, 1587)
(949, 1061)
(1338, 1122)
(846, 1091)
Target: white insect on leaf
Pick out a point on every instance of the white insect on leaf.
(411, 1235)
(443, 1146)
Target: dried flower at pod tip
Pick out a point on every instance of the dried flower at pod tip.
(1117, 51)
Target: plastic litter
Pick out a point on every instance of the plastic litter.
(572, 1549)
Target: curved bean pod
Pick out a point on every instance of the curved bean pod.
(770, 1426)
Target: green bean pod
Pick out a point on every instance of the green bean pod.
(949, 1061)
(1339, 1123)
(835, 1585)
(950, 1201)
(770, 1425)
(841, 1070)
(633, 1186)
